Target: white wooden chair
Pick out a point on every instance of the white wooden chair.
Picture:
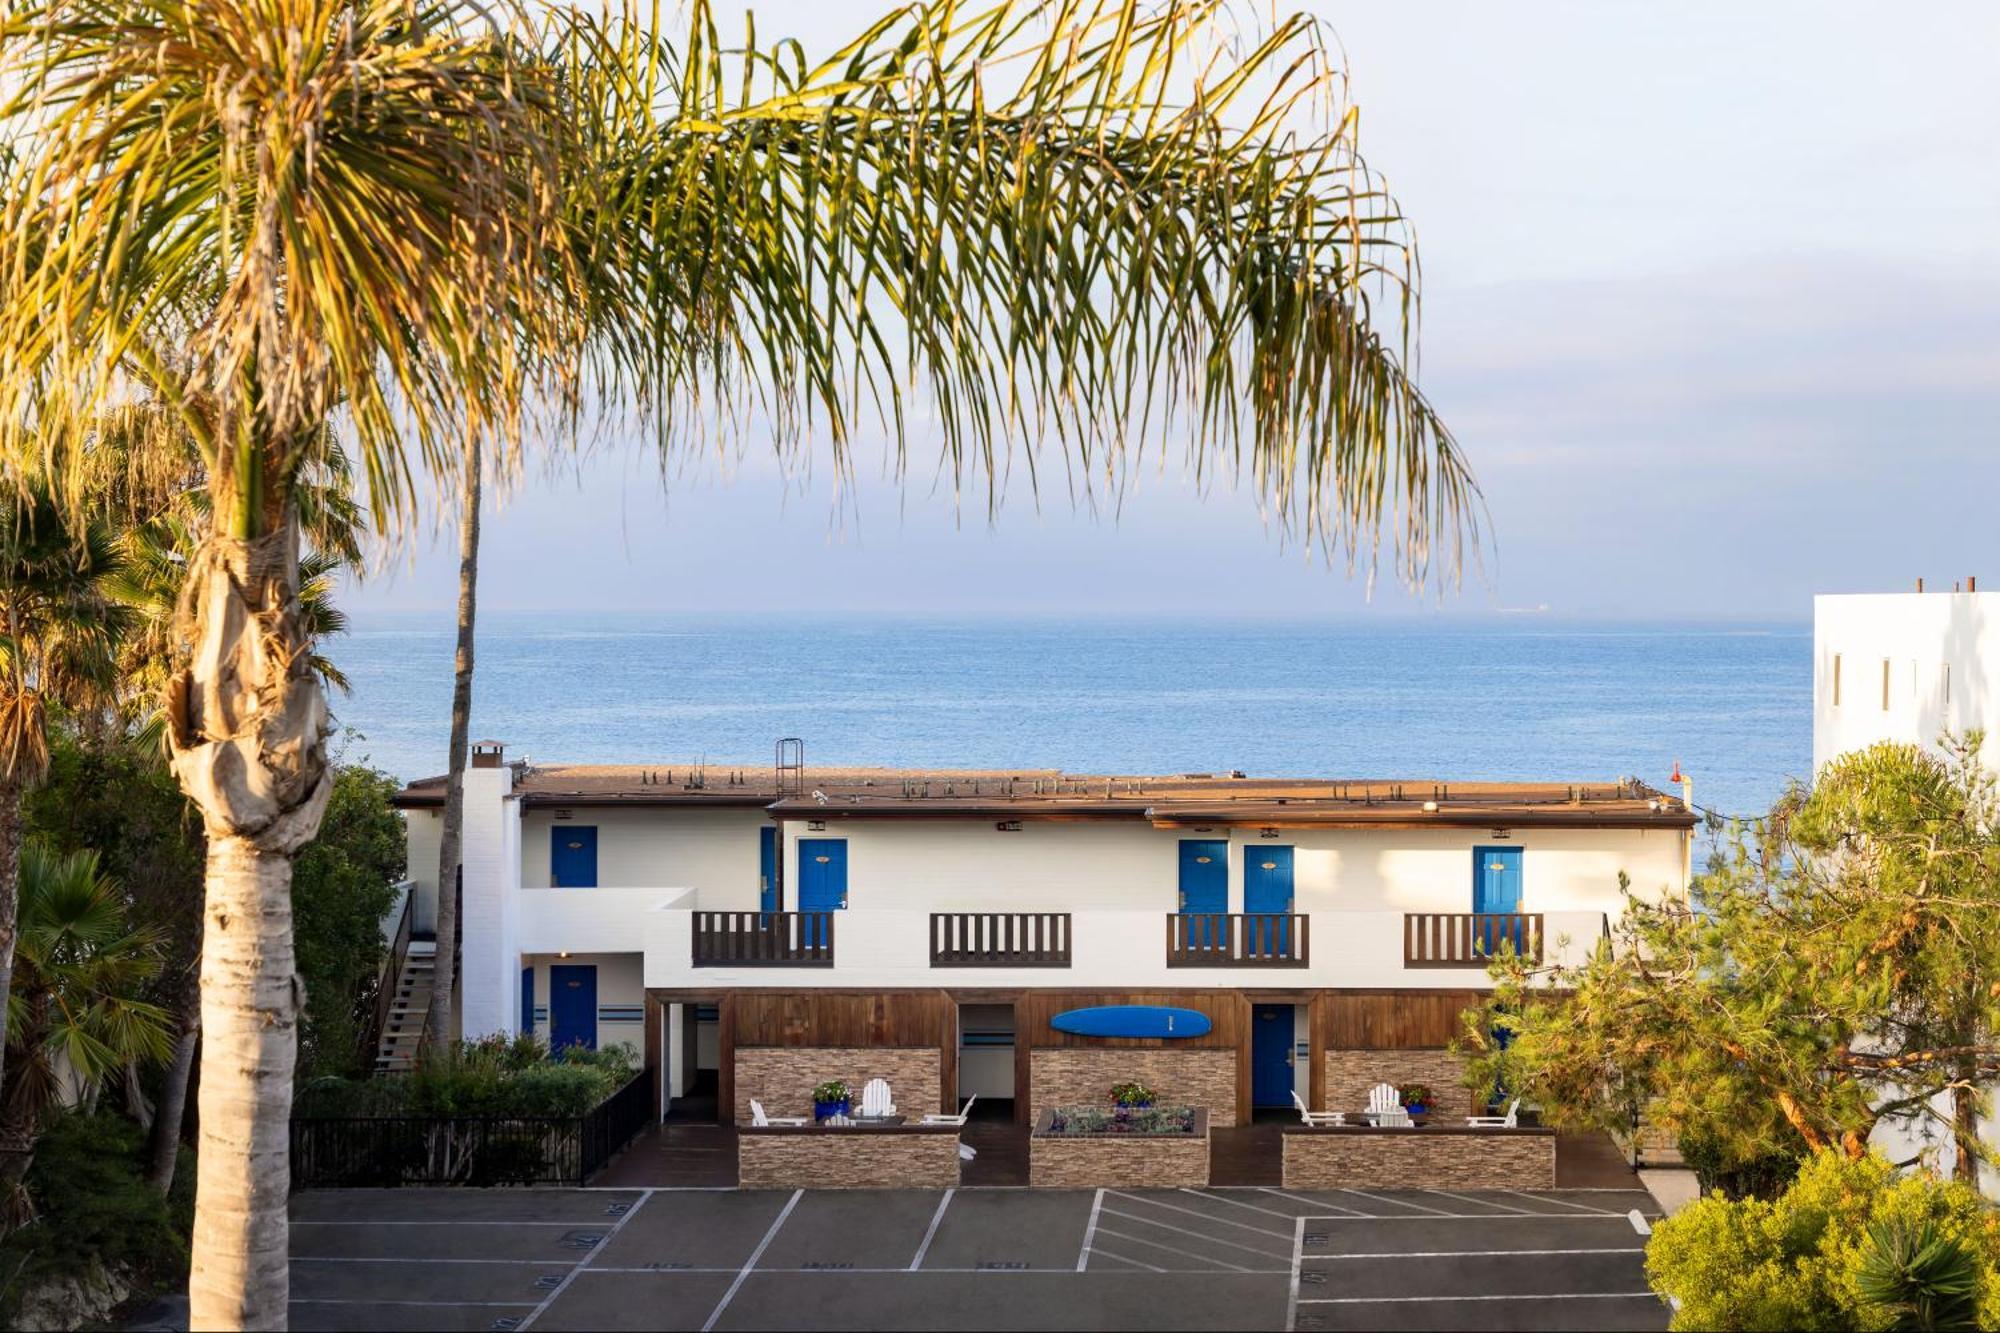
(1317, 1119)
(1385, 1107)
(762, 1121)
(939, 1118)
(876, 1103)
(1512, 1120)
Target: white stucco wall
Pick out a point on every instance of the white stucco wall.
(966, 865)
(1942, 650)
(636, 847)
(620, 985)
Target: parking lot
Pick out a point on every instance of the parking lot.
(969, 1259)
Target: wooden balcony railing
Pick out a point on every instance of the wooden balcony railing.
(763, 939)
(999, 939)
(1238, 939)
(1468, 939)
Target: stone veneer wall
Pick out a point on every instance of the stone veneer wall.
(1351, 1073)
(1059, 1162)
(847, 1159)
(1420, 1159)
(1082, 1076)
(783, 1077)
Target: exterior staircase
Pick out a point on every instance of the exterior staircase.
(407, 1014)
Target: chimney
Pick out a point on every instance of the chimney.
(488, 754)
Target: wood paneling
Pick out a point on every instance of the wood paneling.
(1228, 1013)
(1392, 1020)
(842, 1018)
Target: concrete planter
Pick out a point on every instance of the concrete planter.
(1118, 1161)
(1429, 1157)
(848, 1157)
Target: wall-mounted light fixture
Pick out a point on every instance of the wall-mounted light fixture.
(1430, 807)
(563, 953)
(815, 826)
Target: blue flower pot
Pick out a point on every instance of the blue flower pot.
(822, 1110)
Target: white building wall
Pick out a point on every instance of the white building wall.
(967, 865)
(1942, 652)
(637, 847)
(489, 996)
(1942, 656)
(620, 987)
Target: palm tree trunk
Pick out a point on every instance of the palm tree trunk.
(10, 887)
(247, 724)
(444, 979)
(165, 1147)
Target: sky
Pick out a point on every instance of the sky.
(1711, 302)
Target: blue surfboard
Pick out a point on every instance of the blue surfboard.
(1132, 1020)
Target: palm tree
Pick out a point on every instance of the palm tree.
(74, 1017)
(436, 222)
(58, 635)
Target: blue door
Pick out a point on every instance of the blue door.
(1496, 891)
(822, 882)
(1204, 875)
(1267, 888)
(1271, 1055)
(767, 869)
(573, 856)
(572, 1006)
(527, 999)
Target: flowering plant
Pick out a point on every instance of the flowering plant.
(1417, 1094)
(1131, 1094)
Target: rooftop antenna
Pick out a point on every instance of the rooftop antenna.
(790, 766)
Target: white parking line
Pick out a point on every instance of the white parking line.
(1311, 1203)
(1528, 1296)
(1485, 1253)
(1238, 1203)
(1170, 1249)
(1543, 1198)
(1639, 1222)
(1206, 1217)
(348, 1259)
(1292, 1298)
(1405, 1203)
(1488, 1203)
(570, 1276)
(931, 1231)
(1197, 1235)
(1123, 1260)
(1083, 1254)
(453, 1305)
(743, 1273)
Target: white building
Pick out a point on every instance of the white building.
(756, 931)
(1908, 667)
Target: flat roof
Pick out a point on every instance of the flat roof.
(1169, 800)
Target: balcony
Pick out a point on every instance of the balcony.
(763, 939)
(1238, 939)
(1469, 939)
(1000, 939)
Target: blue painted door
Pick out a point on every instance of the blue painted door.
(767, 869)
(527, 999)
(572, 1005)
(1496, 891)
(1204, 875)
(1267, 888)
(573, 856)
(1271, 1055)
(822, 881)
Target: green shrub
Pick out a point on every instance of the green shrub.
(495, 1076)
(1810, 1259)
(1718, 1166)
(93, 1205)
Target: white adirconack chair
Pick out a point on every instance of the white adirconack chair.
(762, 1121)
(1317, 1119)
(875, 1099)
(1512, 1120)
(939, 1118)
(1385, 1107)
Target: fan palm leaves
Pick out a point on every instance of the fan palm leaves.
(74, 1016)
(1127, 232)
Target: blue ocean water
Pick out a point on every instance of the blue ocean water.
(1521, 699)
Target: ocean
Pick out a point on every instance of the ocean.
(1507, 699)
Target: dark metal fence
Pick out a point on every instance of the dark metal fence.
(466, 1150)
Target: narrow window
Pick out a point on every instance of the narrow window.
(1836, 680)
(1885, 684)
